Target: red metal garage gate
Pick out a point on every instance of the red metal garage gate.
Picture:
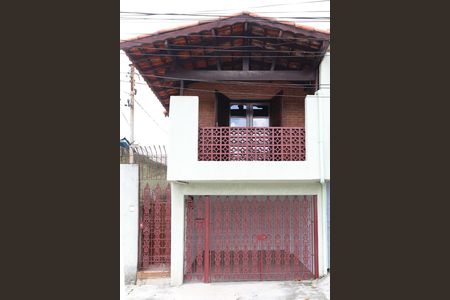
(238, 238)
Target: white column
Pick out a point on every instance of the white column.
(324, 223)
(129, 209)
(328, 223)
(324, 73)
(323, 100)
(183, 136)
(177, 234)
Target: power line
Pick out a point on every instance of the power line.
(159, 18)
(284, 4)
(126, 120)
(238, 37)
(215, 49)
(212, 91)
(219, 48)
(226, 56)
(170, 20)
(142, 15)
(217, 14)
(232, 82)
(154, 121)
(285, 12)
(269, 5)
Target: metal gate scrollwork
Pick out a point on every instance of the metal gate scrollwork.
(238, 238)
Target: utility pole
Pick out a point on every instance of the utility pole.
(131, 104)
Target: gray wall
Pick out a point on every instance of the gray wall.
(129, 214)
(328, 220)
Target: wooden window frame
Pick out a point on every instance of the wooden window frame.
(249, 110)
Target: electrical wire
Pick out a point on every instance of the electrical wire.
(220, 47)
(212, 91)
(231, 82)
(236, 36)
(268, 5)
(172, 20)
(214, 49)
(227, 56)
(254, 7)
(154, 121)
(218, 17)
(148, 16)
(126, 120)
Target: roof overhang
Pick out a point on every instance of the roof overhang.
(243, 47)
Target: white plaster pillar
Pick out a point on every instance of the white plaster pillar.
(324, 73)
(323, 99)
(312, 133)
(324, 232)
(129, 219)
(177, 234)
(183, 136)
(328, 223)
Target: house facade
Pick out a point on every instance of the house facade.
(248, 100)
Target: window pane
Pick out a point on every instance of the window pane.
(238, 110)
(238, 122)
(260, 110)
(260, 122)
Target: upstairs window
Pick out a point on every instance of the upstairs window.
(248, 113)
(244, 114)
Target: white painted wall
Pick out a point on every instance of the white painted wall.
(328, 222)
(122, 277)
(183, 164)
(180, 190)
(248, 177)
(323, 95)
(129, 209)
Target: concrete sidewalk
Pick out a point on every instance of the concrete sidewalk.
(159, 289)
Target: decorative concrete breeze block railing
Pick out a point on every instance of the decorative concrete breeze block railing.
(251, 144)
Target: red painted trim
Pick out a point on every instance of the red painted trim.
(316, 239)
(222, 252)
(206, 275)
(251, 144)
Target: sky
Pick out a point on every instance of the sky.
(151, 126)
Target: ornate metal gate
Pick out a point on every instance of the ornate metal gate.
(154, 207)
(238, 238)
(155, 229)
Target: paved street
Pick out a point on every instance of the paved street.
(161, 290)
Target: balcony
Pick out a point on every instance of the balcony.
(236, 154)
(251, 144)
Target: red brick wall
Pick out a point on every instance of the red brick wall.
(293, 108)
(293, 114)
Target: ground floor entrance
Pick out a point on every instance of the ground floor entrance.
(250, 238)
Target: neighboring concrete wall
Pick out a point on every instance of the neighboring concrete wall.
(129, 209)
(328, 222)
(122, 277)
(179, 191)
(183, 164)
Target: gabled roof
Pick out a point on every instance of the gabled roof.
(203, 45)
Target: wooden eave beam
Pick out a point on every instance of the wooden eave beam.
(203, 75)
